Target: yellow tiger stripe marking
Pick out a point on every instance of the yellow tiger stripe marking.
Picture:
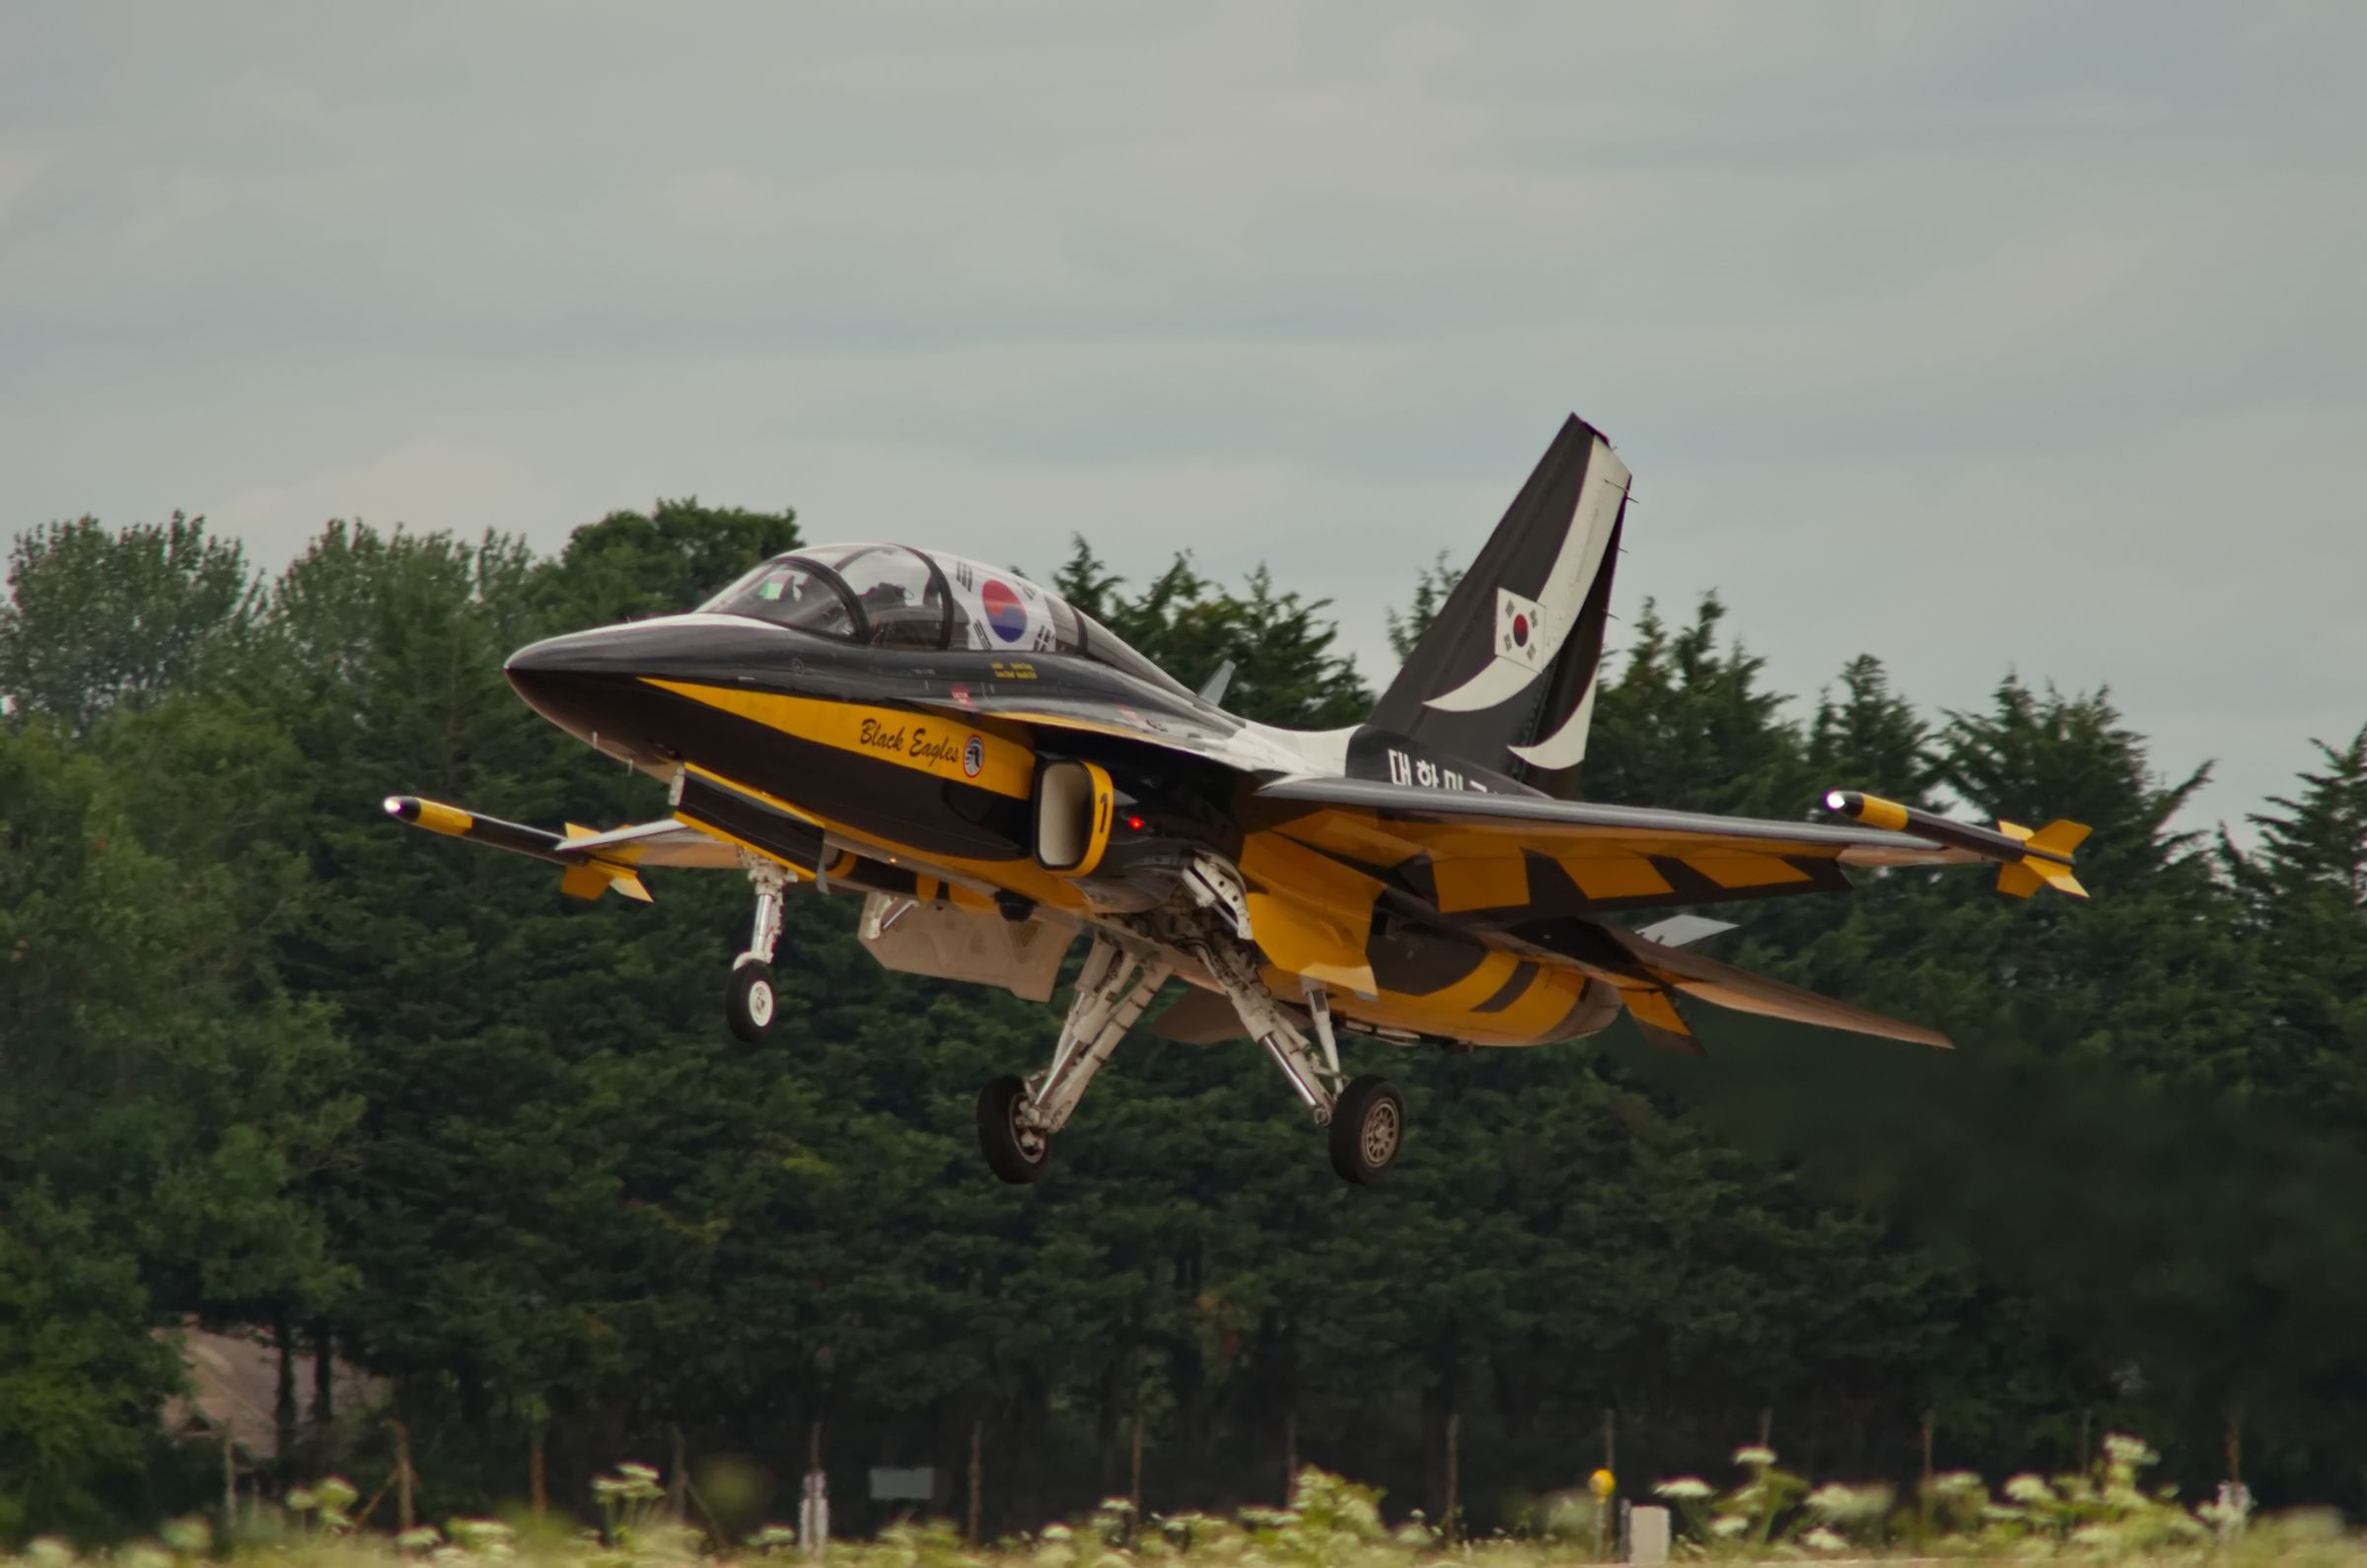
(1355, 834)
(1614, 876)
(450, 820)
(1538, 1014)
(925, 742)
(1487, 879)
(1745, 871)
(1879, 812)
(1319, 927)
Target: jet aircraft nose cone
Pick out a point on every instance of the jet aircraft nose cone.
(597, 685)
(577, 680)
(541, 671)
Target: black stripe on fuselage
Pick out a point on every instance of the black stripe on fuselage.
(741, 817)
(598, 685)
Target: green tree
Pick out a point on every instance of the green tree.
(98, 617)
(1279, 643)
(81, 1377)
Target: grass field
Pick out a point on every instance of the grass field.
(2104, 1515)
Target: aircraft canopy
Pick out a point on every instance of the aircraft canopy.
(890, 595)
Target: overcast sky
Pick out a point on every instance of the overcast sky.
(1983, 337)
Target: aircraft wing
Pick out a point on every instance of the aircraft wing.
(593, 862)
(1481, 851)
(669, 842)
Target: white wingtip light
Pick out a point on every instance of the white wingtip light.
(394, 805)
(1833, 801)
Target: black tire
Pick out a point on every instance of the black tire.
(1368, 1128)
(751, 1001)
(1013, 1153)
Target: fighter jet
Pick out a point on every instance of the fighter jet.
(997, 775)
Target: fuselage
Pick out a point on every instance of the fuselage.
(914, 771)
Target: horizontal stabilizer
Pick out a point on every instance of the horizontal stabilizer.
(1656, 1019)
(1647, 973)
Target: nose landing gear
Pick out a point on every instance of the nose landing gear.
(751, 1000)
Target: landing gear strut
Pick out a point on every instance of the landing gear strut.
(749, 1001)
(1017, 1118)
(1366, 1115)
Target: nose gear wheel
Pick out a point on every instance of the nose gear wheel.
(752, 998)
(751, 1001)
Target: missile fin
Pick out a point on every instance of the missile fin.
(596, 877)
(2060, 836)
(2027, 874)
(585, 881)
(2059, 878)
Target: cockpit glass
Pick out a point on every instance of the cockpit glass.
(891, 597)
(790, 594)
(895, 589)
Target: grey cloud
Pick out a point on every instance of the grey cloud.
(2062, 298)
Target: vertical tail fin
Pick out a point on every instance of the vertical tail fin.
(1505, 675)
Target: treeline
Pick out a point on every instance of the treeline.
(272, 1065)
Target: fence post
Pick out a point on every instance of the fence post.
(1290, 1454)
(813, 1515)
(1931, 1421)
(402, 1472)
(1454, 1525)
(978, 1470)
(1134, 1484)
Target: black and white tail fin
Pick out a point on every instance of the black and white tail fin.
(1505, 675)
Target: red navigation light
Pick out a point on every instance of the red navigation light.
(1135, 824)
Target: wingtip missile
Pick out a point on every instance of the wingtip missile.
(433, 816)
(587, 876)
(2027, 860)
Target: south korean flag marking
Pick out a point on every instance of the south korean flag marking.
(1522, 634)
(1531, 633)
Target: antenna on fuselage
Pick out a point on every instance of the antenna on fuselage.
(1213, 692)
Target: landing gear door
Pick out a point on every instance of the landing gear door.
(978, 946)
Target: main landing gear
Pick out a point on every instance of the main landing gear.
(751, 1000)
(1365, 1115)
(1017, 1118)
